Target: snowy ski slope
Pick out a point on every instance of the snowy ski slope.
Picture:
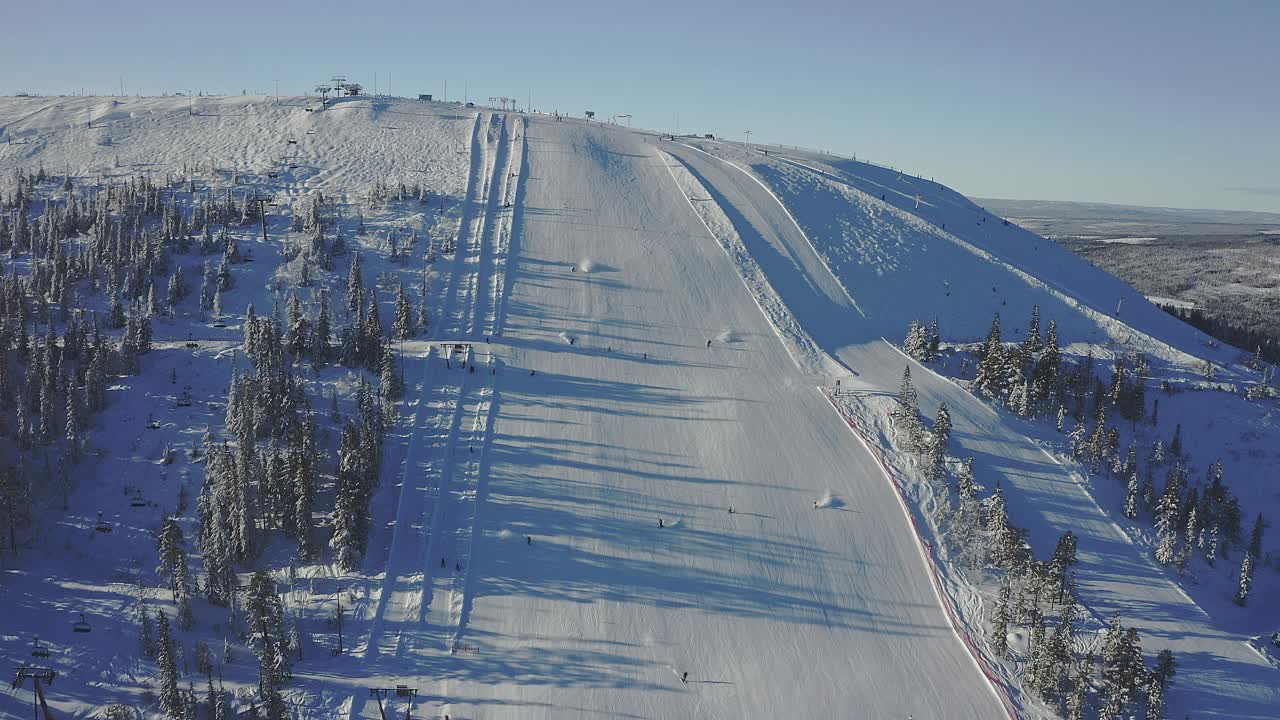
(649, 322)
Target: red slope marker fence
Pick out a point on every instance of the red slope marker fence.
(997, 685)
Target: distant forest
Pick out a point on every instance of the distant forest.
(1264, 344)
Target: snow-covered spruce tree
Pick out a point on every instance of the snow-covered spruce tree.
(390, 386)
(355, 285)
(992, 379)
(170, 696)
(1122, 669)
(1246, 581)
(1000, 624)
(1077, 706)
(298, 333)
(935, 339)
(146, 639)
(1033, 344)
(917, 342)
(935, 468)
(1158, 683)
(404, 325)
(1131, 497)
(906, 413)
(1005, 549)
(1175, 445)
(1064, 556)
(1255, 537)
(322, 333)
(350, 511)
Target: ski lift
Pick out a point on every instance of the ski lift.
(292, 141)
(138, 500)
(38, 649)
(293, 166)
(184, 400)
(81, 625)
(272, 175)
(152, 423)
(219, 324)
(103, 526)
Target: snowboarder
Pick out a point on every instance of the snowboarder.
(815, 504)
(684, 677)
(730, 509)
(457, 567)
(528, 539)
(708, 343)
(531, 372)
(646, 356)
(660, 523)
(441, 561)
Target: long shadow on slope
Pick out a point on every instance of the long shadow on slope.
(823, 316)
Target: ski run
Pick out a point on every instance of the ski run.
(644, 464)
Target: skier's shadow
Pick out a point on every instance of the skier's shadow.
(711, 682)
(759, 515)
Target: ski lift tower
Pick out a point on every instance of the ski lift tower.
(324, 91)
(400, 691)
(628, 117)
(339, 82)
(36, 675)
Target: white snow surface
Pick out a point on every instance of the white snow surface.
(650, 324)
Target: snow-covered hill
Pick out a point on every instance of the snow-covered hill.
(632, 471)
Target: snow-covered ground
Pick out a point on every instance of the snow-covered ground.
(651, 325)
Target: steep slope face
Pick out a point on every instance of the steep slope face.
(811, 274)
(855, 201)
(612, 413)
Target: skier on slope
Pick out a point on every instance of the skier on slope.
(684, 677)
(660, 523)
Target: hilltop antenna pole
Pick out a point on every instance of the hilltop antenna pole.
(277, 82)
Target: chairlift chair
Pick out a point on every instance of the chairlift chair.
(81, 625)
(38, 649)
(138, 500)
(103, 526)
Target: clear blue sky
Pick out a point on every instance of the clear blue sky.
(1170, 103)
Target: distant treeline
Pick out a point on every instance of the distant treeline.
(1266, 345)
